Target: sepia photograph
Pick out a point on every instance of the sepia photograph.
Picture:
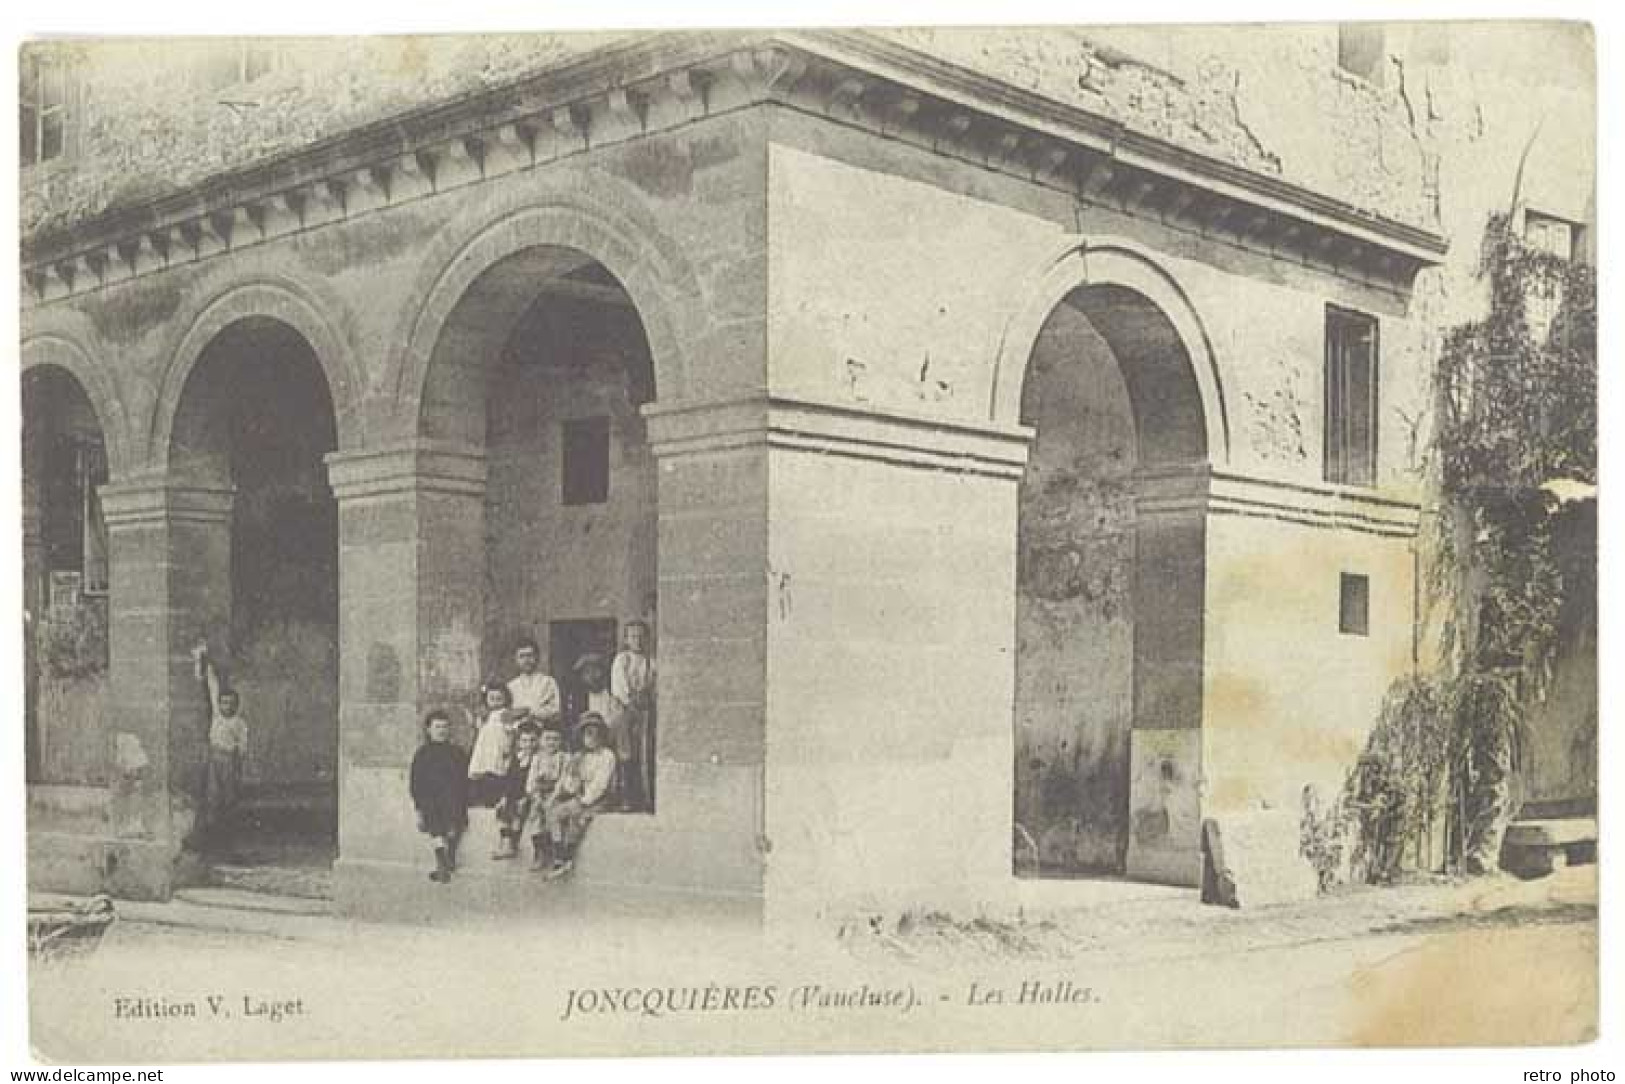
(827, 540)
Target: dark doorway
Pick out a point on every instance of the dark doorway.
(257, 415)
(1109, 593)
(568, 641)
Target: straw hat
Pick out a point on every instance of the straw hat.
(591, 658)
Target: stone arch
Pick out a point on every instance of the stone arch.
(541, 326)
(278, 300)
(1108, 363)
(52, 350)
(69, 407)
(1121, 287)
(516, 242)
(247, 416)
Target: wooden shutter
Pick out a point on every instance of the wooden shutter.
(1351, 398)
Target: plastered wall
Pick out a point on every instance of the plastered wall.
(1075, 607)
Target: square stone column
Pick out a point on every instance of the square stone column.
(708, 834)
(34, 600)
(170, 545)
(837, 613)
(411, 610)
(1165, 747)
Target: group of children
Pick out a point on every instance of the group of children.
(522, 765)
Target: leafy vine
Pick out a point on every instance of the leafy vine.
(1513, 449)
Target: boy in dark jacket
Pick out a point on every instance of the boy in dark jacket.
(440, 792)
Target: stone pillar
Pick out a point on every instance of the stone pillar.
(707, 833)
(838, 607)
(34, 600)
(170, 544)
(1165, 747)
(411, 611)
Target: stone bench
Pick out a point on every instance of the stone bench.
(1534, 848)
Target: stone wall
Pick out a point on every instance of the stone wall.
(889, 625)
(1559, 742)
(547, 561)
(1224, 604)
(1291, 697)
(1268, 98)
(1075, 604)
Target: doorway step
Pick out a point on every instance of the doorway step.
(283, 845)
(258, 902)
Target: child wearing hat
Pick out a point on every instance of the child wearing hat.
(581, 793)
(439, 789)
(592, 671)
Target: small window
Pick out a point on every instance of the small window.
(43, 117)
(586, 461)
(237, 63)
(258, 60)
(1354, 605)
(1548, 233)
(1543, 294)
(1351, 398)
(1360, 50)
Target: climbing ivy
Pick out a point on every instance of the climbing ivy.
(1515, 441)
(1517, 428)
(72, 642)
(1393, 795)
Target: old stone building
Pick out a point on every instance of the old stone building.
(1012, 437)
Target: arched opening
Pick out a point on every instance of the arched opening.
(65, 582)
(256, 415)
(544, 363)
(1109, 592)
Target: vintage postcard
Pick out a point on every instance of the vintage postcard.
(809, 540)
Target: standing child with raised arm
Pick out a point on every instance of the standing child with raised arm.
(228, 746)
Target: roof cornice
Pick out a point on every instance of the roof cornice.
(1134, 151)
(625, 90)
